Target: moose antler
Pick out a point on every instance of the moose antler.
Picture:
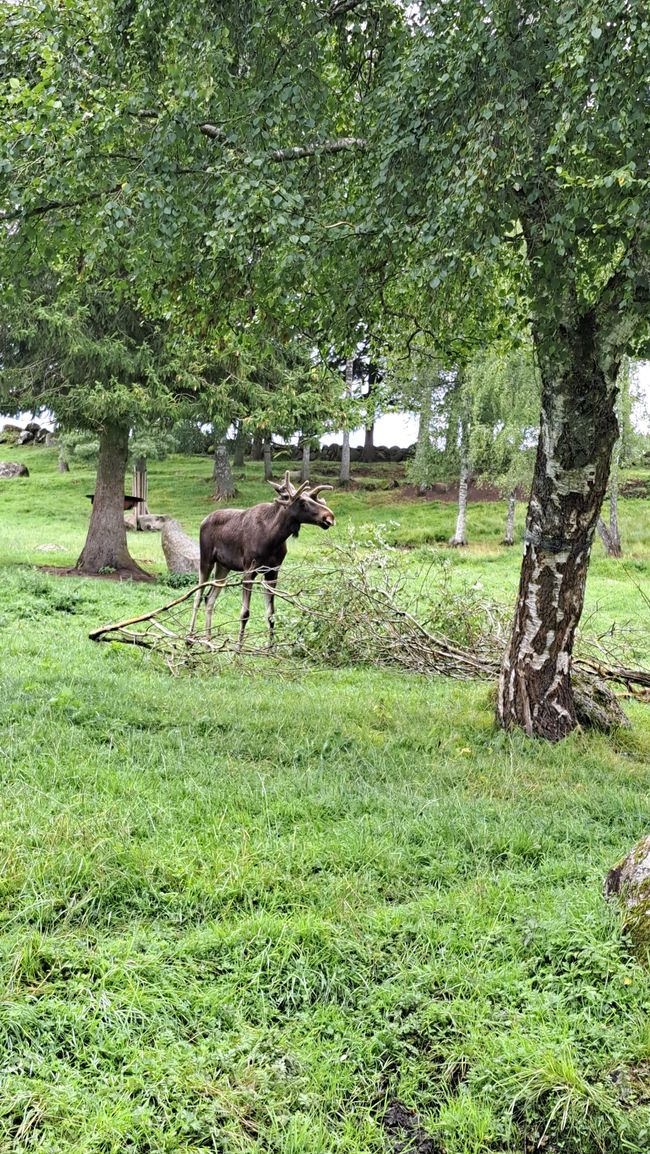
(313, 493)
(286, 490)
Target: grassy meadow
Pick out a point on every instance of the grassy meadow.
(328, 912)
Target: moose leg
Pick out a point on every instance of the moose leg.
(245, 608)
(219, 574)
(268, 587)
(204, 576)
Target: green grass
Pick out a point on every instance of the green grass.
(240, 911)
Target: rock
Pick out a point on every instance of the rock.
(181, 552)
(50, 549)
(33, 427)
(13, 469)
(10, 434)
(25, 438)
(629, 881)
(152, 522)
(40, 438)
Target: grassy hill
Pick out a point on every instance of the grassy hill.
(334, 911)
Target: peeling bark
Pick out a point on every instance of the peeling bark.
(106, 546)
(578, 431)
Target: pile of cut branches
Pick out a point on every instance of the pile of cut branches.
(369, 605)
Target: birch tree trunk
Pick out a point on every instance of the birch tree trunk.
(105, 547)
(610, 534)
(578, 431)
(509, 538)
(344, 474)
(224, 486)
(304, 472)
(459, 538)
(423, 446)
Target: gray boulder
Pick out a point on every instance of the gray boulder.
(151, 522)
(13, 469)
(181, 552)
(629, 882)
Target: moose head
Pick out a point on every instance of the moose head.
(304, 503)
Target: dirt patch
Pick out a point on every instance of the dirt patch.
(115, 575)
(404, 1132)
(440, 491)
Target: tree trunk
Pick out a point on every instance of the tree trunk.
(459, 538)
(509, 538)
(369, 443)
(304, 472)
(578, 431)
(344, 473)
(266, 454)
(106, 547)
(257, 448)
(610, 534)
(224, 486)
(240, 446)
(420, 470)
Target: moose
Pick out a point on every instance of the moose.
(252, 541)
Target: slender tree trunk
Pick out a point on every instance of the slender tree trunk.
(257, 448)
(423, 446)
(459, 538)
(304, 472)
(240, 446)
(610, 534)
(368, 454)
(106, 546)
(578, 431)
(268, 463)
(509, 538)
(344, 473)
(224, 486)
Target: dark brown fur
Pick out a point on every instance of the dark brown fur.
(252, 541)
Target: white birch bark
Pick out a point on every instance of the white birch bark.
(509, 538)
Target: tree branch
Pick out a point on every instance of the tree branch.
(52, 205)
(342, 7)
(343, 144)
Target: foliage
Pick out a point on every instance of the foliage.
(367, 892)
(365, 586)
(505, 400)
(89, 357)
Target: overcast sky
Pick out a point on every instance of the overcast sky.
(402, 428)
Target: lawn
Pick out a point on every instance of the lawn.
(329, 911)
